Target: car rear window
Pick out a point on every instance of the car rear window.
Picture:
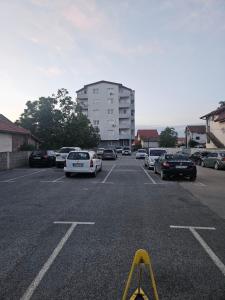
(39, 152)
(126, 148)
(176, 157)
(142, 150)
(108, 151)
(156, 152)
(212, 155)
(65, 150)
(79, 156)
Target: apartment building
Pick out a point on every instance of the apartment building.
(110, 106)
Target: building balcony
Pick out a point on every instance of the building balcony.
(82, 96)
(125, 93)
(124, 105)
(125, 136)
(124, 116)
(125, 126)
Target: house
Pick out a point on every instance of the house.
(215, 128)
(110, 106)
(149, 138)
(195, 133)
(12, 137)
(181, 141)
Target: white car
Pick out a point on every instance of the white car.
(141, 153)
(152, 155)
(83, 161)
(126, 151)
(60, 157)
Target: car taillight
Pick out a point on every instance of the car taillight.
(91, 164)
(166, 164)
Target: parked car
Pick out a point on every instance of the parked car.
(214, 160)
(119, 149)
(100, 152)
(152, 155)
(82, 162)
(197, 157)
(172, 165)
(40, 158)
(62, 155)
(141, 153)
(126, 151)
(109, 154)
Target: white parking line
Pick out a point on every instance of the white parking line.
(152, 180)
(204, 245)
(107, 176)
(35, 283)
(9, 180)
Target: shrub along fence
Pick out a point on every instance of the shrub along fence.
(10, 160)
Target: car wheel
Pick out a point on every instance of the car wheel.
(192, 178)
(95, 173)
(162, 175)
(100, 168)
(216, 166)
(155, 171)
(67, 174)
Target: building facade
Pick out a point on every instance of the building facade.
(109, 106)
(196, 133)
(148, 138)
(215, 128)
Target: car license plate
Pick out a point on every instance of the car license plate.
(181, 167)
(78, 165)
(37, 157)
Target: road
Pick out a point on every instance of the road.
(46, 254)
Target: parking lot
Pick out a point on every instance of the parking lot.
(74, 238)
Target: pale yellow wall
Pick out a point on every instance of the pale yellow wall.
(218, 129)
(5, 142)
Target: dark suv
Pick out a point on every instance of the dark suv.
(109, 154)
(39, 158)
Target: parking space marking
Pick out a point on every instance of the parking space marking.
(204, 245)
(9, 180)
(151, 179)
(35, 283)
(107, 176)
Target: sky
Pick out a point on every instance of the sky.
(171, 52)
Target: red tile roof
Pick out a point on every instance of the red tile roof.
(9, 127)
(200, 129)
(214, 112)
(148, 134)
(220, 117)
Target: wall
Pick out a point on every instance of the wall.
(5, 142)
(10, 160)
(218, 129)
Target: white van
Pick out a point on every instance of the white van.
(83, 161)
(152, 155)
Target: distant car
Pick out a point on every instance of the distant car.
(141, 153)
(82, 162)
(40, 158)
(109, 154)
(126, 151)
(152, 155)
(100, 152)
(214, 160)
(62, 154)
(119, 149)
(198, 156)
(172, 165)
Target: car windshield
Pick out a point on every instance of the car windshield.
(79, 156)
(65, 150)
(108, 151)
(142, 150)
(222, 154)
(126, 148)
(212, 155)
(156, 152)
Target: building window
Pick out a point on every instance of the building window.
(197, 138)
(96, 101)
(95, 91)
(110, 111)
(96, 122)
(95, 110)
(111, 89)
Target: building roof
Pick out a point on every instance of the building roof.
(200, 129)
(9, 127)
(181, 139)
(148, 134)
(218, 111)
(103, 81)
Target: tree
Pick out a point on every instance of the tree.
(222, 103)
(57, 121)
(168, 137)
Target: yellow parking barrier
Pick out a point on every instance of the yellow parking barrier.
(141, 257)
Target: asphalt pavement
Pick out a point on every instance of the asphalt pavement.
(75, 238)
